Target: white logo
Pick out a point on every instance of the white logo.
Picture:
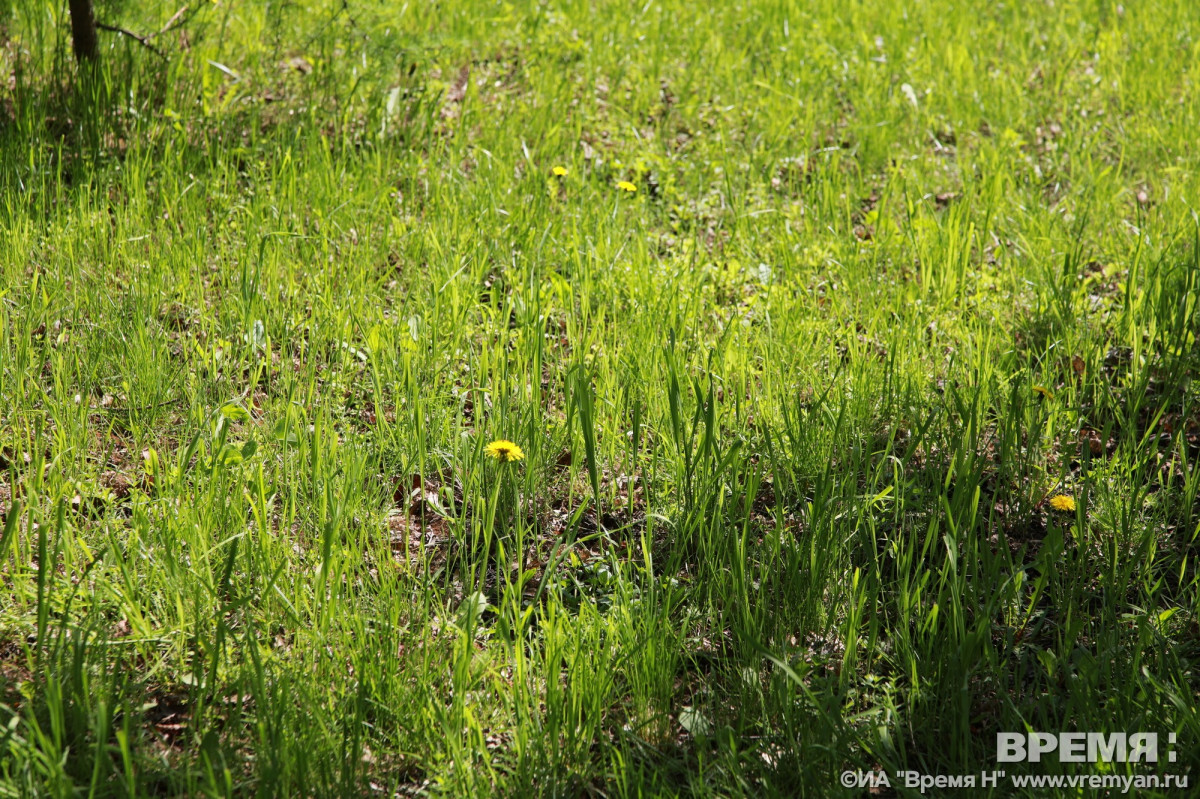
(1080, 747)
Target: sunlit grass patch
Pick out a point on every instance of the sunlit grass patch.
(591, 399)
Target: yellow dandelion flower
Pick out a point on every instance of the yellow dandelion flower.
(1063, 503)
(625, 185)
(559, 171)
(504, 451)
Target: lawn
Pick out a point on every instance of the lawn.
(849, 349)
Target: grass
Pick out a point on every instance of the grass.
(892, 276)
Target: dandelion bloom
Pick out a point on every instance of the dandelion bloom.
(504, 451)
(1062, 502)
(559, 171)
(625, 185)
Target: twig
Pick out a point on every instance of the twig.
(175, 18)
(144, 41)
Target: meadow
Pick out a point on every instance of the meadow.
(849, 348)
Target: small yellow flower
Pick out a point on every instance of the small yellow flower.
(559, 171)
(1062, 502)
(625, 185)
(504, 451)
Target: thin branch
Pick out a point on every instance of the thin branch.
(176, 18)
(144, 41)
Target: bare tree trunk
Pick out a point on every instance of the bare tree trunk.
(83, 30)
